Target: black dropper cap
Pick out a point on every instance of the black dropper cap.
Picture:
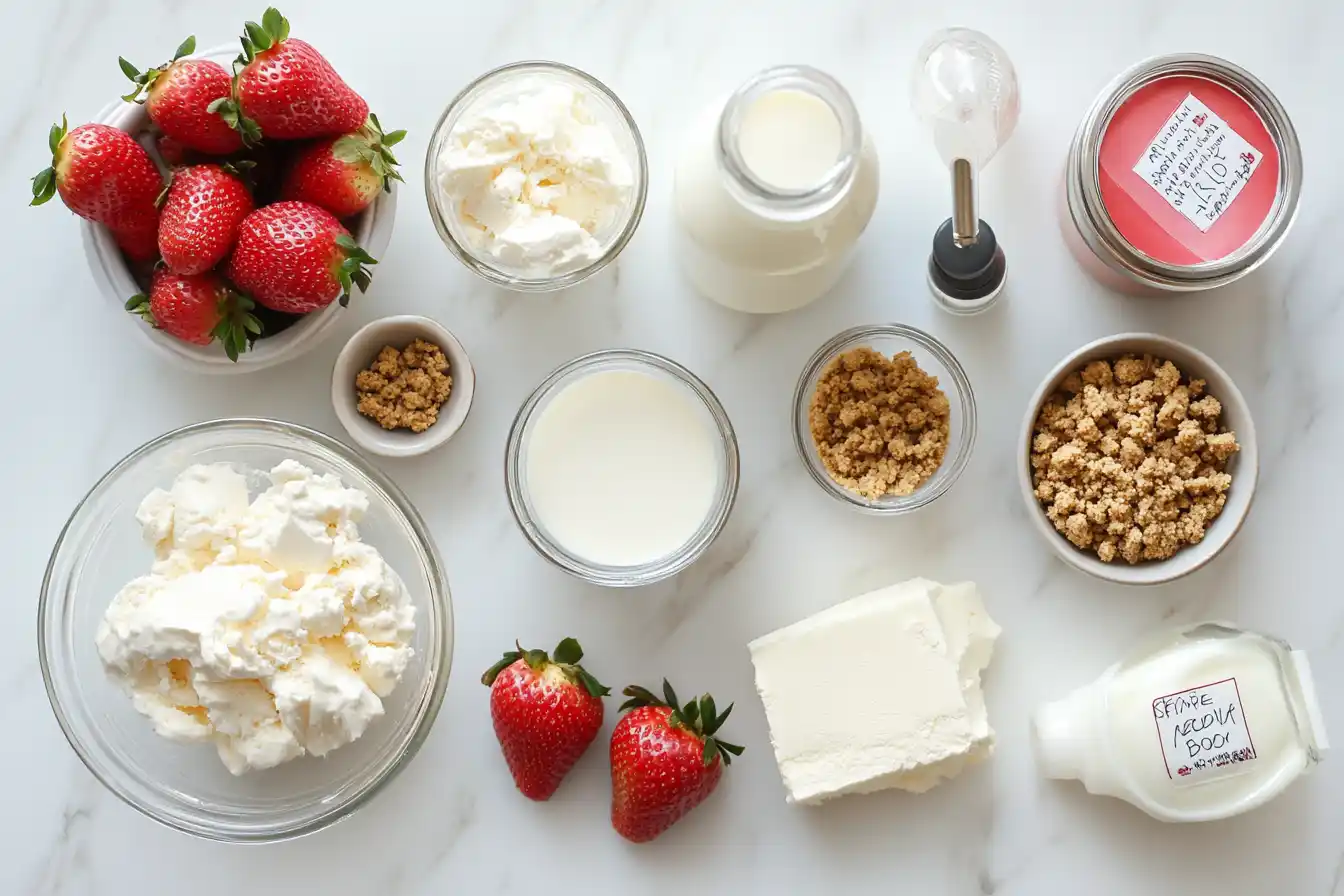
(970, 273)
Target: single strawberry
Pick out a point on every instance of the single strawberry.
(286, 90)
(344, 174)
(546, 712)
(665, 761)
(178, 95)
(137, 234)
(296, 257)
(202, 210)
(198, 308)
(102, 174)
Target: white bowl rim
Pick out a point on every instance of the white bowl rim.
(113, 278)
(360, 428)
(1190, 558)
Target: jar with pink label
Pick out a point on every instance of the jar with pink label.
(1184, 175)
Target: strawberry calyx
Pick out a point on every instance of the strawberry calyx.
(370, 146)
(565, 657)
(138, 305)
(44, 183)
(351, 271)
(144, 81)
(699, 717)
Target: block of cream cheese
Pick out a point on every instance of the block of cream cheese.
(882, 691)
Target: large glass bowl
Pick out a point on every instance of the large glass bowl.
(186, 786)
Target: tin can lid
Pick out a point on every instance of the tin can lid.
(1190, 171)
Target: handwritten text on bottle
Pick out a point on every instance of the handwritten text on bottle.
(1203, 732)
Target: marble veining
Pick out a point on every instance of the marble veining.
(82, 391)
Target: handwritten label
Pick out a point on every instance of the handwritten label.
(1203, 732)
(1198, 163)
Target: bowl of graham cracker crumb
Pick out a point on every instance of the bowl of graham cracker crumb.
(1140, 459)
(402, 385)
(884, 418)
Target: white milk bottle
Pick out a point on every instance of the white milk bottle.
(1200, 723)
(773, 189)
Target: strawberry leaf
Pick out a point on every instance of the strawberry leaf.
(492, 673)
(707, 714)
(129, 71)
(186, 48)
(57, 134)
(258, 36)
(718, 723)
(670, 695)
(394, 138)
(275, 24)
(568, 652)
(639, 697)
(591, 684)
(690, 713)
(711, 751)
(44, 186)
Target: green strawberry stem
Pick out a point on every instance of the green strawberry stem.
(44, 183)
(144, 81)
(351, 272)
(700, 717)
(369, 144)
(566, 656)
(238, 327)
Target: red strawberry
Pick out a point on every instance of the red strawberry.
(286, 90)
(178, 99)
(546, 713)
(138, 234)
(296, 257)
(204, 206)
(344, 174)
(102, 174)
(664, 761)
(199, 309)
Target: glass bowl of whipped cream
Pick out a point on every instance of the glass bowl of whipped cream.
(536, 176)
(245, 630)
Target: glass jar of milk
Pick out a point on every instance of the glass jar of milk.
(773, 189)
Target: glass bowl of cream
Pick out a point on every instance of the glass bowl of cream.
(197, 745)
(621, 468)
(536, 176)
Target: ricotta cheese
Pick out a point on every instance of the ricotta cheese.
(882, 691)
(266, 628)
(536, 177)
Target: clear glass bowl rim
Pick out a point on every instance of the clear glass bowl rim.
(438, 214)
(439, 593)
(658, 570)
(947, 474)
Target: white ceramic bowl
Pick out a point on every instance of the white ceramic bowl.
(372, 229)
(363, 347)
(1243, 466)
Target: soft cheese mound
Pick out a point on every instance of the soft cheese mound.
(882, 691)
(267, 628)
(536, 178)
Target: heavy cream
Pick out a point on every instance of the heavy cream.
(621, 467)
(1200, 723)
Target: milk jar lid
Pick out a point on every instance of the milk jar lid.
(1190, 171)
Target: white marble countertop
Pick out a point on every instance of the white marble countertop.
(83, 390)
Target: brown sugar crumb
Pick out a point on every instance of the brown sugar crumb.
(405, 389)
(1129, 459)
(881, 425)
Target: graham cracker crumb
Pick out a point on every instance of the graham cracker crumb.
(881, 425)
(404, 389)
(1129, 459)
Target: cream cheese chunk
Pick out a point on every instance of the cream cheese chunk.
(881, 691)
(266, 628)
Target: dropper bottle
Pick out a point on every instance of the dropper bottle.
(964, 89)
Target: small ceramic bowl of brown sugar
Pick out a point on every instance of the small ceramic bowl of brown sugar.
(1139, 459)
(402, 386)
(884, 418)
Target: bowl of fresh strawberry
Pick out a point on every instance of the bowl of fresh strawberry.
(234, 210)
